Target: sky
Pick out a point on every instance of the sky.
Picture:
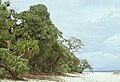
(95, 22)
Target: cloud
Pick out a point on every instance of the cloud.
(95, 22)
(112, 44)
(101, 60)
(114, 39)
(103, 43)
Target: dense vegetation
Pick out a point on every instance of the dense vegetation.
(30, 43)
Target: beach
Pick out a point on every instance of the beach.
(85, 77)
(94, 77)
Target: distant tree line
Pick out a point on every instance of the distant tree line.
(30, 43)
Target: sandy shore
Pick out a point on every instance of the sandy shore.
(86, 77)
(94, 77)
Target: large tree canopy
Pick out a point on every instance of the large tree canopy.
(30, 41)
(8, 61)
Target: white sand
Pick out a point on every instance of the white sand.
(93, 77)
(86, 77)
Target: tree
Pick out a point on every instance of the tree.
(73, 44)
(14, 65)
(85, 65)
(8, 61)
(36, 24)
(34, 43)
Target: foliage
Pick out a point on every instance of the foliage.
(8, 61)
(64, 68)
(29, 40)
(36, 24)
(73, 44)
(13, 64)
(85, 65)
(26, 48)
(2, 72)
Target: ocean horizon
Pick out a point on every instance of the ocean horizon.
(104, 71)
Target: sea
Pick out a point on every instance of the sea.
(108, 71)
(103, 71)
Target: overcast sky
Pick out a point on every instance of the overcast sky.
(95, 22)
